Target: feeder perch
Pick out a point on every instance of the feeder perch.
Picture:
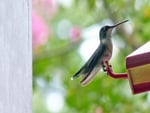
(138, 69)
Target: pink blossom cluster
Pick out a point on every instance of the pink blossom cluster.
(42, 10)
(75, 34)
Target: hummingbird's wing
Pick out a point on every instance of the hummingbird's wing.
(92, 66)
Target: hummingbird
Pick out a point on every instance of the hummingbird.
(97, 60)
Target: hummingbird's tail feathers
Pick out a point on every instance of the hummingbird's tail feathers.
(91, 67)
(77, 74)
(87, 78)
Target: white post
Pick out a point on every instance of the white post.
(15, 56)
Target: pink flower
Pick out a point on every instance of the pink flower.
(98, 110)
(75, 34)
(40, 30)
(47, 8)
(50, 6)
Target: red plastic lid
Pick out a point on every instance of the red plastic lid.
(139, 57)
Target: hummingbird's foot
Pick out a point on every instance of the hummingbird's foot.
(110, 66)
(104, 67)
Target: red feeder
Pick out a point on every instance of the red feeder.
(138, 69)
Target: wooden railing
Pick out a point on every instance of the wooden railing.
(15, 56)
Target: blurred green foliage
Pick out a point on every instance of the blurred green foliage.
(60, 57)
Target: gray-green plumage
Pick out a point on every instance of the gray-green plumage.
(101, 54)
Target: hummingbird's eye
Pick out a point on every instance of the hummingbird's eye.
(106, 27)
(103, 32)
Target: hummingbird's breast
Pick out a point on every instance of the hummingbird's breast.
(108, 51)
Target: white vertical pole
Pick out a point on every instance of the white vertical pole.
(15, 56)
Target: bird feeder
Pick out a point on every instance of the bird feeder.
(138, 69)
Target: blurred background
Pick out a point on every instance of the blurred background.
(65, 34)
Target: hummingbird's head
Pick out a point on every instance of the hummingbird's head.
(105, 32)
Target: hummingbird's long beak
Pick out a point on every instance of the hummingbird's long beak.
(118, 24)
